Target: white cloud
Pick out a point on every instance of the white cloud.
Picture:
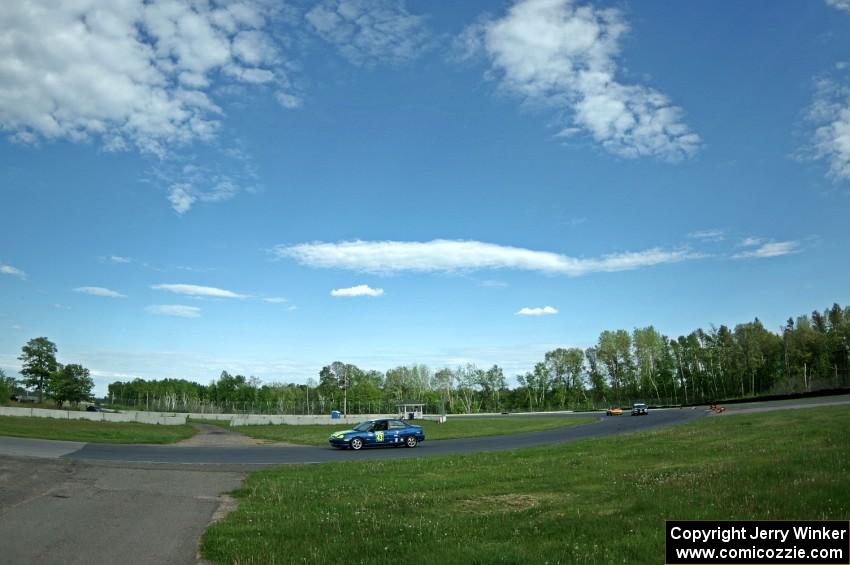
(99, 291)
(180, 197)
(751, 241)
(710, 235)
(545, 311)
(772, 249)
(174, 310)
(275, 300)
(288, 101)
(119, 260)
(130, 73)
(839, 4)
(17, 327)
(359, 290)
(564, 55)
(440, 255)
(370, 31)
(829, 113)
(10, 270)
(200, 291)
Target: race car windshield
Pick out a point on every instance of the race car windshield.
(364, 427)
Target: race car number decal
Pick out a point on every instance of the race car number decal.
(379, 436)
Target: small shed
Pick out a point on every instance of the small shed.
(411, 409)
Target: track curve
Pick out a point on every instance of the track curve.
(277, 455)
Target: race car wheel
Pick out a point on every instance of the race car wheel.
(410, 441)
(356, 444)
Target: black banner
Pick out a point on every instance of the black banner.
(757, 542)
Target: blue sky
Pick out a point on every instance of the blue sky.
(191, 186)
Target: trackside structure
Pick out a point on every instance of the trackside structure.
(411, 409)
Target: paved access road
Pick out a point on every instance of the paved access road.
(69, 512)
(274, 455)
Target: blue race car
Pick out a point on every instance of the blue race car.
(378, 433)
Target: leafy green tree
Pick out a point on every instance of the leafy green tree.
(38, 357)
(72, 383)
(598, 389)
(649, 350)
(7, 387)
(443, 382)
(614, 352)
(492, 382)
(468, 379)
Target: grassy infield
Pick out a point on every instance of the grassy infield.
(594, 501)
(95, 432)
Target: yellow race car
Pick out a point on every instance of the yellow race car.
(614, 411)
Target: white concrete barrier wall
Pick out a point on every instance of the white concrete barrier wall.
(478, 414)
(170, 418)
(15, 411)
(47, 413)
(92, 416)
(301, 420)
(177, 420)
(167, 419)
(202, 416)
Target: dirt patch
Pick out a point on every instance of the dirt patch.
(500, 503)
(210, 435)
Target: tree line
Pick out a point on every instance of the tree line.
(807, 353)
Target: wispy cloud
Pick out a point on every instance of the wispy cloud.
(276, 300)
(544, 311)
(370, 31)
(359, 290)
(99, 291)
(709, 235)
(177, 310)
(440, 255)
(12, 271)
(218, 180)
(839, 4)
(489, 283)
(564, 55)
(117, 259)
(198, 291)
(829, 114)
(751, 241)
(772, 249)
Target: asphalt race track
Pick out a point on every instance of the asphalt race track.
(274, 455)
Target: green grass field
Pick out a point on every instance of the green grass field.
(595, 501)
(94, 432)
(454, 428)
